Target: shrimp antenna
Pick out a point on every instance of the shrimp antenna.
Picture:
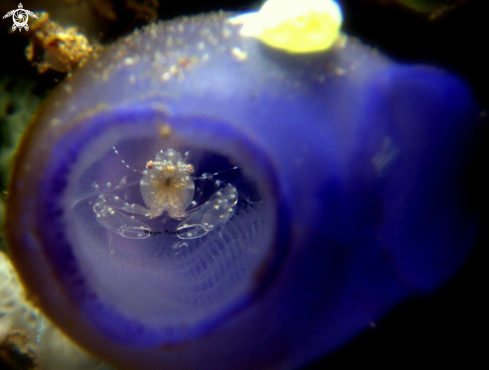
(207, 175)
(124, 162)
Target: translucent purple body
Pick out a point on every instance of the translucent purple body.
(349, 176)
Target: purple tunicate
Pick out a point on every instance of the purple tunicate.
(347, 171)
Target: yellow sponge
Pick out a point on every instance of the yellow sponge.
(296, 26)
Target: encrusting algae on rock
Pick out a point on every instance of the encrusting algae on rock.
(59, 48)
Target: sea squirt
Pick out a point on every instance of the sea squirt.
(345, 170)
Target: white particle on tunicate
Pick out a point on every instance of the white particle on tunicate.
(129, 61)
(239, 54)
(166, 76)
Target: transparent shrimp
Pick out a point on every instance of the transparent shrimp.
(167, 187)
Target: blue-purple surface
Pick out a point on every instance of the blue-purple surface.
(355, 161)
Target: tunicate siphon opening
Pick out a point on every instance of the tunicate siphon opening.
(145, 266)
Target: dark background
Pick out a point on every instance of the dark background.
(448, 328)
